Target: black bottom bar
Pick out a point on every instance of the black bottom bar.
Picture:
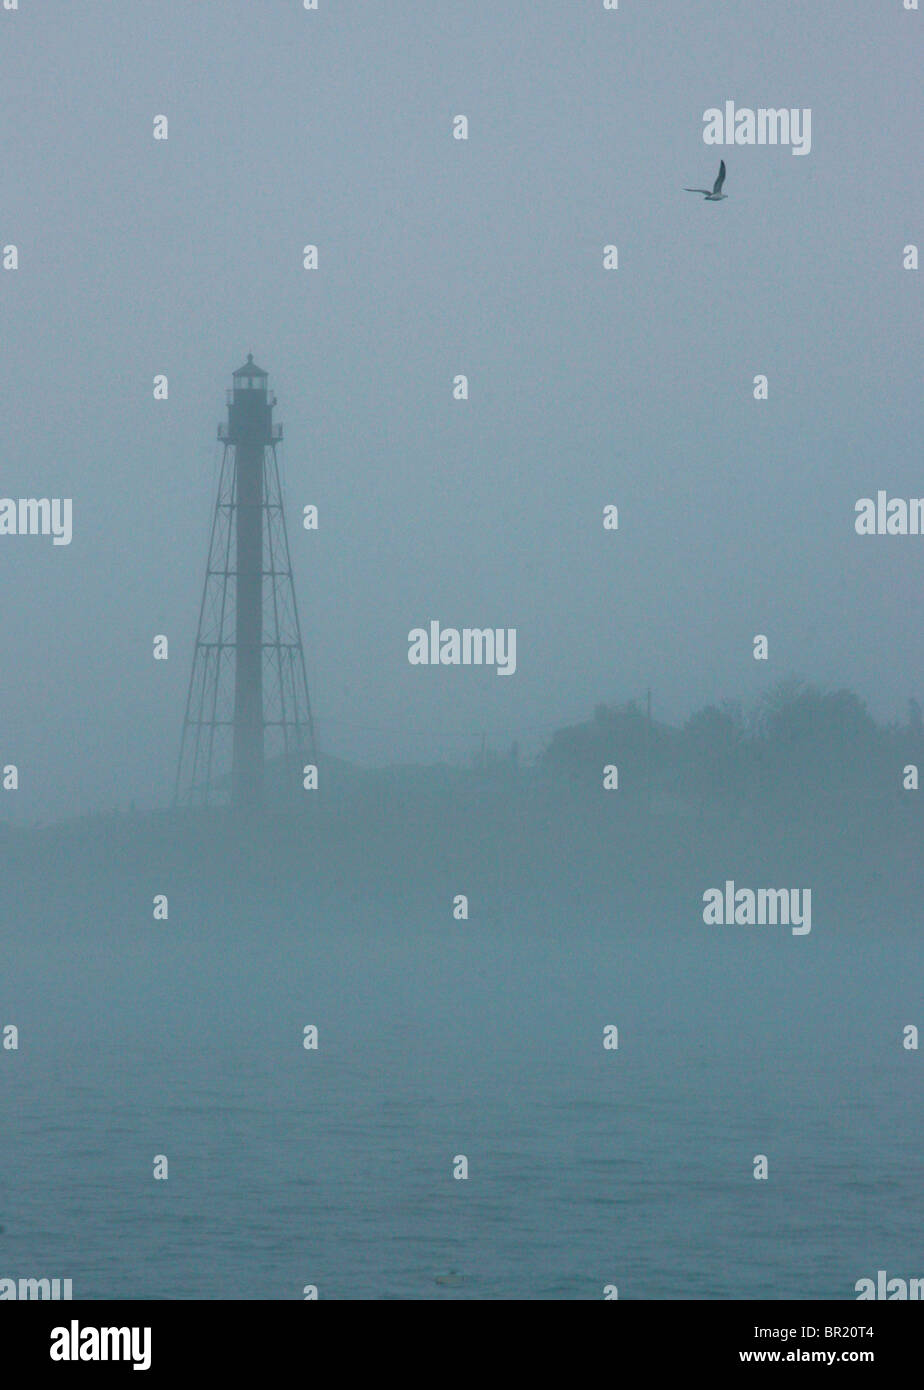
(227, 1339)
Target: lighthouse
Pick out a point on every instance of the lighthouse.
(248, 676)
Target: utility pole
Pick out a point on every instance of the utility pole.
(648, 750)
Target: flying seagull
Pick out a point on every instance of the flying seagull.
(716, 193)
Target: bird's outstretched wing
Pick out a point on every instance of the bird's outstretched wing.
(717, 186)
(704, 191)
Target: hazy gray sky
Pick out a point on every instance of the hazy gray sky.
(439, 256)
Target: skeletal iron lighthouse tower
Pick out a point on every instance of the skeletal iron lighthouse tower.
(247, 710)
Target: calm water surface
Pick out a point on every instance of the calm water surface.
(586, 1167)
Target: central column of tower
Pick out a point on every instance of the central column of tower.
(250, 428)
(247, 772)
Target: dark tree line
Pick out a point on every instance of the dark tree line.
(798, 739)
